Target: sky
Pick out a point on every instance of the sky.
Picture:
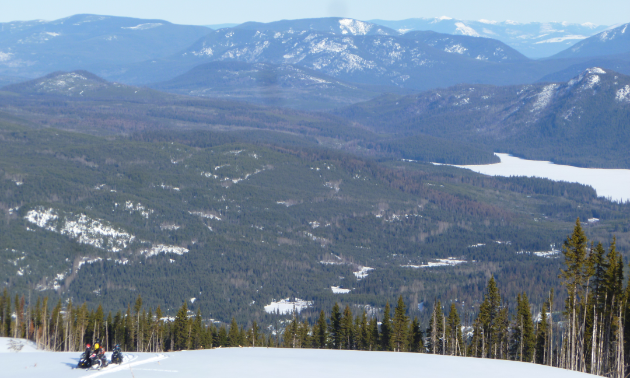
(207, 12)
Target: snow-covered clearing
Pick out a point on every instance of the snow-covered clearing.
(277, 363)
(451, 261)
(609, 183)
(287, 306)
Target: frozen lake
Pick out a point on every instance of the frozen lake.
(609, 183)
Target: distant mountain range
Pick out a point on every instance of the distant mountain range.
(344, 60)
(532, 39)
(92, 42)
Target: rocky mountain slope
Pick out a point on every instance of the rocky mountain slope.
(534, 39)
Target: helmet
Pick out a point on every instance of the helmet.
(98, 341)
(87, 345)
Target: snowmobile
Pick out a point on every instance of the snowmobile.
(117, 356)
(92, 360)
(85, 362)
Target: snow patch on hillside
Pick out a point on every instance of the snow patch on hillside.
(362, 272)
(85, 230)
(450, 261)
(287, 306)
(562, 39)
(142, 26)
(544, 97)
(354, 27)
(466, 30)
(161, 248)
(338, 290)
(458, 49)
(623, 94)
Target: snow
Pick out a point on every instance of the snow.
(11, 345)
(451, 261)
(286, 306)
(562, 39)
(466, 30)
(363, 272)
(276, 363)
(142, 26)
(161, 248)
(623, 94)
(338, 290)
(354, 27)
(85, 230)
(458, 49)
(609, 183)
(544, 97)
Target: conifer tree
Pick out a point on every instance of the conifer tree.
(335, 327)
(180, 329)
(347, 329)
(542, 336)
(321, 334)
(386, 329)
(364, 333)
(455, 341)
(415, 337)
(375, 337)
(400, 326)
(233, 334)
(435, 330)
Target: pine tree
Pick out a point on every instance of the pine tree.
(435, 330)
(415, 337)
(386, 330)
(542, 336)
(400, 326)
(321, 334)
(375, 337)
(180, 329)
(455, 341)
(233, 334)
(347, 329)
(335, 326)
(364, 333)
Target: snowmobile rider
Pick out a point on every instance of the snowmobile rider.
(99, 350)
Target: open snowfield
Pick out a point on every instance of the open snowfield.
(272, 363)
(610, 183)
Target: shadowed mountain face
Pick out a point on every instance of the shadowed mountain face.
(279, 85)
(36, 48)
(534, 39)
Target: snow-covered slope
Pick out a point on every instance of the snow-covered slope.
(277, 363)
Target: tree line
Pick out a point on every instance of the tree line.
(588, 335)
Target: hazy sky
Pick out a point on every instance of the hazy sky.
(204, 12)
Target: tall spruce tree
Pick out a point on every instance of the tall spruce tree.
(335, 326)
(386, 329)
(400, 326)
